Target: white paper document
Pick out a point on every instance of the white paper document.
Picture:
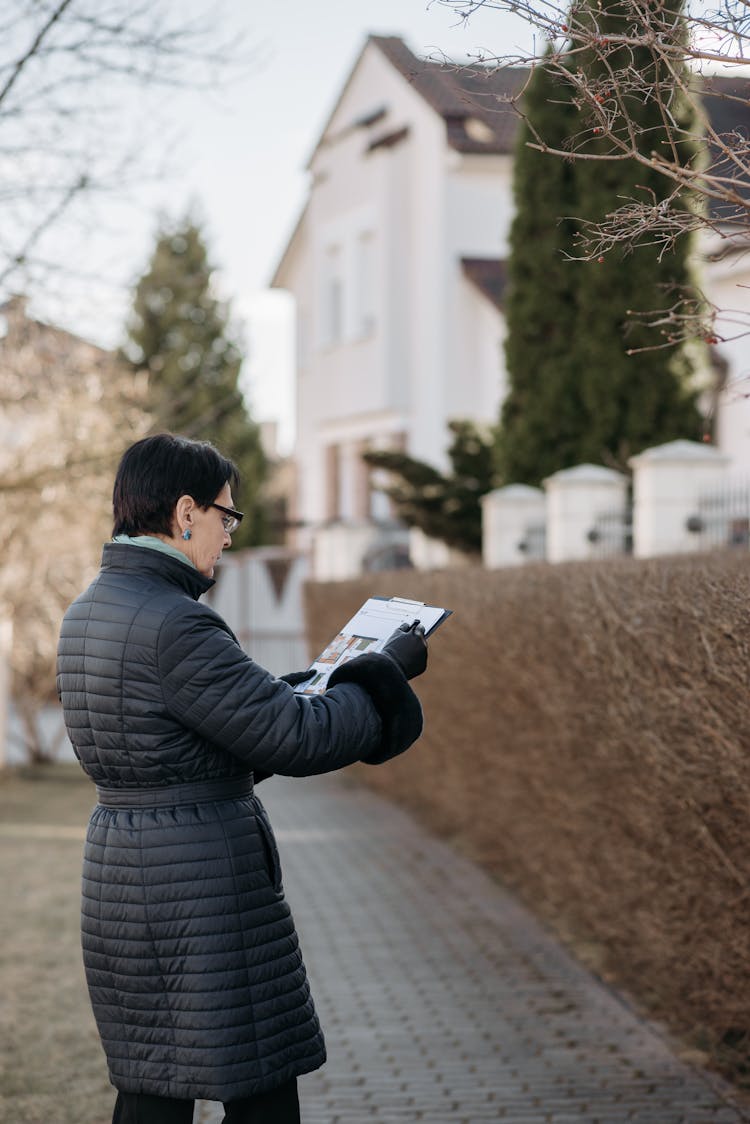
(368, 631)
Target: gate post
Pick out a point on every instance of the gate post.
(508, 514)
(668, 481)
(576, 497)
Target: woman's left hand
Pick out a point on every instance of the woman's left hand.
(296, 677)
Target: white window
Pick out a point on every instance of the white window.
(364, 266)
(333, 296)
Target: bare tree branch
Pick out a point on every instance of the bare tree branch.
(68, 71)
(44, 224)
(680, 49)
(33, 49)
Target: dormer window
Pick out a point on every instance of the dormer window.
(367, 120)
(478, 130)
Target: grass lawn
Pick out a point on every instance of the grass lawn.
(52, 1068)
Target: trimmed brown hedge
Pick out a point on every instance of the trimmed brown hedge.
(588, 740)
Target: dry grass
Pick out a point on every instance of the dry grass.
(53, 1069)
(588, 741)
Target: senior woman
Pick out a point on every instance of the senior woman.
(191, 956)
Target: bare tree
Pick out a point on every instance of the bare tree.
(75, 79)
(69, 409)
(612, 57)
(79, 83)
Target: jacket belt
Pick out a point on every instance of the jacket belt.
(171, 795)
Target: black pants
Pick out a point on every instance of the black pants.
(280, 1106)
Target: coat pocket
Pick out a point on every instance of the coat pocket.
(270, 850)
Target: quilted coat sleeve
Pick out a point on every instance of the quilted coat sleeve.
(211, 686)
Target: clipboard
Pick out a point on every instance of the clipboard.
(367, 631)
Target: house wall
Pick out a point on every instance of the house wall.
(727, 285)
(479, 210)
(430, 348)
(353, 383)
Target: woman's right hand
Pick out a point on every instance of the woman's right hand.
(407, 647)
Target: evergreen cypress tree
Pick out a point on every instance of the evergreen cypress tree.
(179, 332)
(630, 401)
(444, 506)
(540, 422)
(575, 394)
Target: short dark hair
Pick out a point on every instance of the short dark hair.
(156, 471)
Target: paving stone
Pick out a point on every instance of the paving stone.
(443, 999)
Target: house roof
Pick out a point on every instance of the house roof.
(14, 311)
(726, 101)
(727, 105)
(476, 103)
(474, 100)
(490, 275)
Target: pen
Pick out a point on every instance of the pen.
(410, 627)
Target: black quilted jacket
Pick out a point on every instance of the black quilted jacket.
(191, 955)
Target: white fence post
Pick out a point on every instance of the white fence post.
(509, 514)
(347, 549)
(426, 553)
(668, 481)
(339, 549)
(259, 593)
(576, 498)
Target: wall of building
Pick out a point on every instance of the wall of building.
(353, 383)
(727, 285)
(383, 360)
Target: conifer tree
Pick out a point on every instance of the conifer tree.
(541, 416)
(179, 332)
(634, 394)
(575, 393)
(443, 506)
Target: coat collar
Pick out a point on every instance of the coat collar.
(138, 559)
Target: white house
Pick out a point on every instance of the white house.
(398, 268)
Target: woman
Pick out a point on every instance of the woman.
(191, 956)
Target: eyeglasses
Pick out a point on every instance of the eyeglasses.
(231, 518)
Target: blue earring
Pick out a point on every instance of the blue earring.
(187, 533)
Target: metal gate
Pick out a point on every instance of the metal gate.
(723, 518)
(612, 533)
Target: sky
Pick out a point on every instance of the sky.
(236, 156)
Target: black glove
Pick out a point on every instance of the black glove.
(407, 647)
(295, 677)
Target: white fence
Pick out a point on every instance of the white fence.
(681, 498)
(259, 594)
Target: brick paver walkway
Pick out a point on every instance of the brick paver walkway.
(442, 999)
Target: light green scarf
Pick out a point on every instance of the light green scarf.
(153, 543)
